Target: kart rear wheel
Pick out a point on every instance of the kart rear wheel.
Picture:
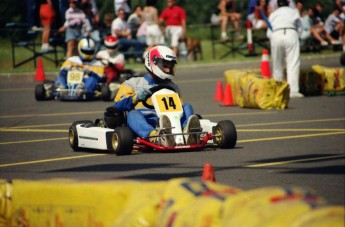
(40, 92)
(122, 141)
(73, 134)
(225, 135)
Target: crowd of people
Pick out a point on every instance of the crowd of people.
(326, 29)
(137, 28)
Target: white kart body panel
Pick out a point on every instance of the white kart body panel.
(207, 125)
(168, 103)
(92, 137)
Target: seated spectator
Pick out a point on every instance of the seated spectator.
(120, 29)
(105, 25)
(122, 4)
(258, 21)
(226, 12)
(273, 5)
(134, 20)
(334, 27)
(306, 24)
(317, 28)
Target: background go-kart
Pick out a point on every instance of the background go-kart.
(302, 145)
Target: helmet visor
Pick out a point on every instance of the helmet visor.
(168, 67)
(88, 52)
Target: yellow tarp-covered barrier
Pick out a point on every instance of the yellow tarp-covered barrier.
(334, 78)
(269, 207)
(233, 78)
(263, 93)
(174, 203)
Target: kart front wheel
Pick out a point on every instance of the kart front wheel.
(40, 92)
(224, 134)
(122, 141)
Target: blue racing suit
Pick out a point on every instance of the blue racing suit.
(140, 119)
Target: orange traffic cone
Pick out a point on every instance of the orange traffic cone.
(208, 173)
(219, 92)
(265, 65)
(228, 100)
(40, 70)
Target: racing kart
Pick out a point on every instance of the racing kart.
(111, 134)
(75, 90)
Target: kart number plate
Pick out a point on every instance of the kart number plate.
(74, 77)
(169, 103)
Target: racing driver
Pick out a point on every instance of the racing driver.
(160, 63)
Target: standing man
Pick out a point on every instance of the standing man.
(285, 49)
(174, 18)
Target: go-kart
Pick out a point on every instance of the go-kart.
(111, 133)
(76, 91)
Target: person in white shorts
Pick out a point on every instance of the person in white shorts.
(174, 18)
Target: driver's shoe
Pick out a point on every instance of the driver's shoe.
(165, 139)
(193, 126)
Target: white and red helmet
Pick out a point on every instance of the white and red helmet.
(158, 58)
(111, 42)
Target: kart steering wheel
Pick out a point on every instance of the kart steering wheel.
(153, 90)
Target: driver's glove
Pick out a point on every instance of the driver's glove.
(143, 94)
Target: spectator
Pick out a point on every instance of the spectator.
(226, 12)
(113, 60)
(134, 20)
(174, 18)
(93, 68)
(47, 16)
(120, 29)
(306, 24)
(76, 22)
(261, 8)
(284, 39)
(32, 13)
(159, 63)
(122, 4)
(251, 7)
(154, 35)
(317, 29)
(105, 25)
(273, 5)
(90, 9)
(334, 27)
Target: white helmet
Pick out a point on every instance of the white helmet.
(86, 48)
(158, 58)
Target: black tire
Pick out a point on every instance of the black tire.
(122, 141)
(105, 93)
(225, 134)
(40, 92)
(73, 134)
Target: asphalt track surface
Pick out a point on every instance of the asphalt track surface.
(300, 146)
